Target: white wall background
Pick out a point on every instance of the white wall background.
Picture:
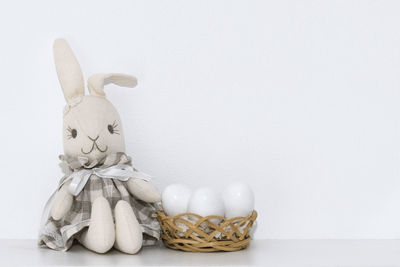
(298, 98)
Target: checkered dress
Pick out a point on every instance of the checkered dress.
(60, 235)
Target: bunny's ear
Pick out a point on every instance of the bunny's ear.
(96, 82)
(68, 70)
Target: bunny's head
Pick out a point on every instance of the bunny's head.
(92, 126)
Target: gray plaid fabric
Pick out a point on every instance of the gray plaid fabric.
(60, 235)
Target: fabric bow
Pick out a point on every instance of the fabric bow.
(121, 172)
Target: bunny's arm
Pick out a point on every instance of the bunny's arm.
(62, 202)
(143, 190)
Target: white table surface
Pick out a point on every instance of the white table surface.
(261, 252)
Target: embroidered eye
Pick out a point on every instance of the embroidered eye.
(72, 133)
(112, 128)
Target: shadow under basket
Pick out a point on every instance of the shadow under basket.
(192, 232)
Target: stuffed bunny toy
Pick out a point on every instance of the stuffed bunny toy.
(102, 201)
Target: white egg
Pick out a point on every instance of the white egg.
(238, 200)
(205, 202)
(175, 198)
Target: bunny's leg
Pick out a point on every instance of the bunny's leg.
(128, 232)
(100, 236)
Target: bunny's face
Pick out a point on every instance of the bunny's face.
(92, 129)
(92, 126)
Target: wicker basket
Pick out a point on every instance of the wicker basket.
(191, 232)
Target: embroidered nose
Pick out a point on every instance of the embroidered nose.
(93, 139)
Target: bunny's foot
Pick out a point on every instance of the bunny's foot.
(100, 236)
(128, 232)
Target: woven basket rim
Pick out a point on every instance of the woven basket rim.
(178, 232)
(168, 217)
